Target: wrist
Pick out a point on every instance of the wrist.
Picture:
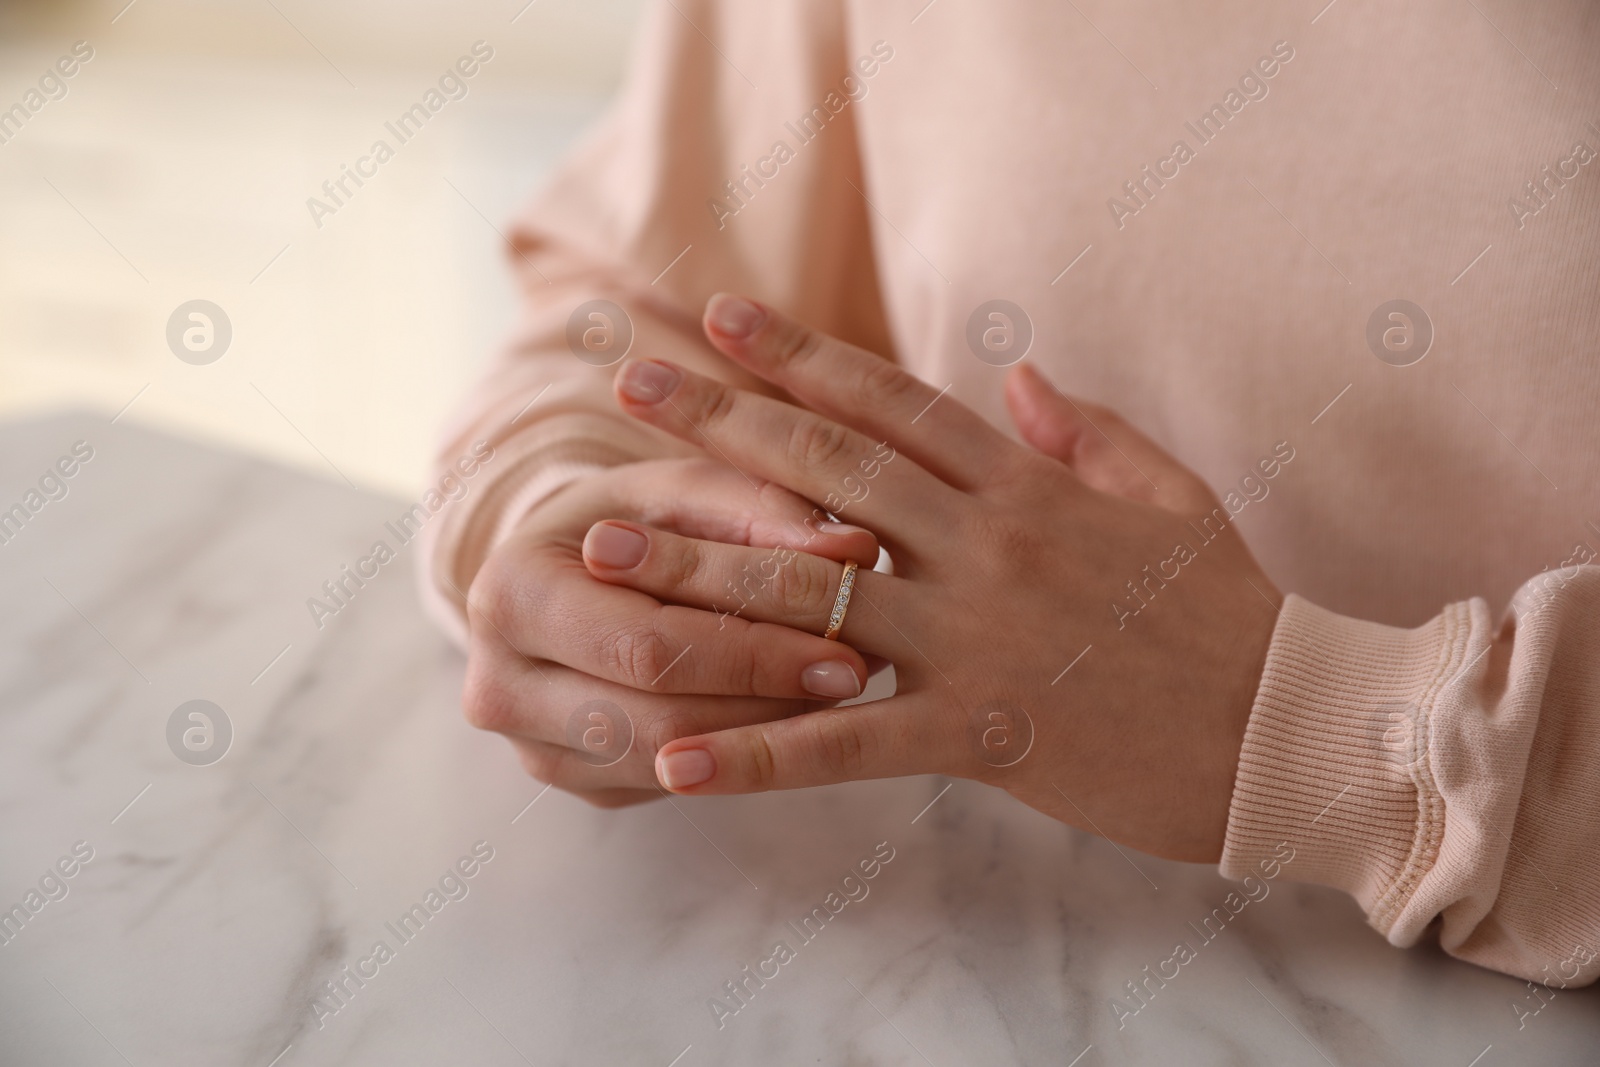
(1228, 728)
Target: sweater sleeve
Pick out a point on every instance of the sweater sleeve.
(1449, 772)
(682, 190)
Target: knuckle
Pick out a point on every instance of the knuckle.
(687, 566)
(503, 600)
(488, 703)
(653, 729)
(800, 588)
(638, 655)
(882, 384)
(763, 763)
(542, 762)
(718, 408)
(777, 498)
(557, 766)
(672, 719)
(840, 744)
(817, 443)
(493, 598)
(796, 344)
(739, 673)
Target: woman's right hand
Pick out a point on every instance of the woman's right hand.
(588, 679)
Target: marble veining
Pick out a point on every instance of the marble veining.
(222, 899)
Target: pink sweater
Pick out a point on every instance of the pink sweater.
(1199, 208)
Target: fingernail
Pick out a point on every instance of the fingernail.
(831, 678)
(614, 546)
(734, 316)
(648, 381)
(685, 767)
(838, 528)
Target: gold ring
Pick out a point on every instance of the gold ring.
(841, 602)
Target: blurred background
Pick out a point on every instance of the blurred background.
(178, 165)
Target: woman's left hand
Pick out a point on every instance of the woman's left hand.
(1078, 623)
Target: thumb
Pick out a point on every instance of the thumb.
(824, 747)
(1102, 448)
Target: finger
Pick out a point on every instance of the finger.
(610, 732)
(557, 766)
(712, 500)
(1101, 447)
(812, 455)
(546, 605)
(881, 739)
(762, 585)
(860, 389)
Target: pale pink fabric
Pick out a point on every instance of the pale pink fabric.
(1417, 743)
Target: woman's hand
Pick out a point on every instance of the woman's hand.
(1083, 628)
(587, 680)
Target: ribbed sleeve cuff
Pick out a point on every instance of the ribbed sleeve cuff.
(1335, 756)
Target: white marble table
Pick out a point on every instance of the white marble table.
(221, 898)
